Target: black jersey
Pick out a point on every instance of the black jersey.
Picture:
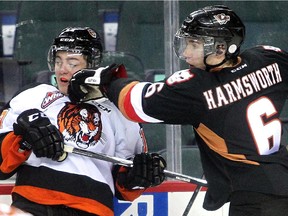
(237, 114)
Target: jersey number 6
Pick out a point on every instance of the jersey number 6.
(266, 133)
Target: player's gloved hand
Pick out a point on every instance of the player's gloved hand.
(89, 84)
(39, 134)
(147, 171)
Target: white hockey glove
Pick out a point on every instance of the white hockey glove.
(89, 84)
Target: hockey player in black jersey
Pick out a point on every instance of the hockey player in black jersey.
(235, 103)
(38, 121)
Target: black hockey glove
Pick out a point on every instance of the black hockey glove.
(147, 171)
(39, 134)
(89, 84)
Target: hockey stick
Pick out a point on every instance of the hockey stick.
(129, 163)
(192, 199)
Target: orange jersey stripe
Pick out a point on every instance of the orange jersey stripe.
(218, 144)
(124, 103)
(50, 197)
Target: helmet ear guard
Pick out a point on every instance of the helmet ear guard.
(220, 47)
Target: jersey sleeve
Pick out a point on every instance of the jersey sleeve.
(121, 192)
(11, 157)
(160, 102)
(130, 140)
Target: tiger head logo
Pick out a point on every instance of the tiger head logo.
(81, 124)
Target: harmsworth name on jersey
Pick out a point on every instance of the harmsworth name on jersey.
(243, 86)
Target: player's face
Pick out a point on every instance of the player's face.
(66, 64)
(194, 53)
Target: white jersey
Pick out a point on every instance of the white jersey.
(96, 127)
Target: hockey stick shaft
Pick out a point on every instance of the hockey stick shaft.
(129, 163)
(192, 199)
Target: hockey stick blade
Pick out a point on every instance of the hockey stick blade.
(129, 163)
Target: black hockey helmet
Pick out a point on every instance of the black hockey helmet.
(214, 24)
(82, 40)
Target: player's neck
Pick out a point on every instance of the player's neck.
(226, 64)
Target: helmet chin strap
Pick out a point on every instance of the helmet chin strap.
(209, 67)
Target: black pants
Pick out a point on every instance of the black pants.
(244, 203)
(45, 210)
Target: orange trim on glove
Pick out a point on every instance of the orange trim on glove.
(127, 194)
(12, 158)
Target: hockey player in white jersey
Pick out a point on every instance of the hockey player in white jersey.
(37, 122)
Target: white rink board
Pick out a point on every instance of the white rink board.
(168, 199)
(178, 202)
(150, 205)
(5, 199)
